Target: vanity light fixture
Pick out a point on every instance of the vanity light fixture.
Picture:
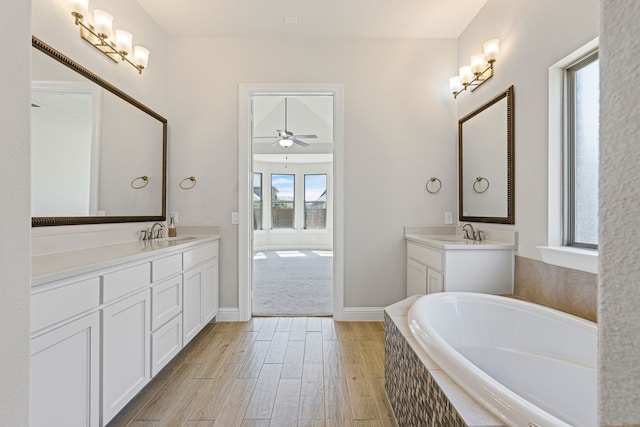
(118, 45)
(481, 69)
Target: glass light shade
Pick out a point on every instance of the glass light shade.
(478, 63)
(465, 74)
(141, 56)
(124, 41)
(285, 143)
(102, 22)
(454, 83)
(80, 7)
(491, 49)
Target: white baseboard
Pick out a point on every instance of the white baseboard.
(350, 314)
(355, 314)
(228, 314)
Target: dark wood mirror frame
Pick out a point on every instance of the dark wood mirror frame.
(510, 122)
(51, 221)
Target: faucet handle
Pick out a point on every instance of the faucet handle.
(480, 235)
(144, 234)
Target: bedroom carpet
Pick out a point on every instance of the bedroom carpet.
(293, 283)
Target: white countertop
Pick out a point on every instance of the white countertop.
(59, 265)
(454, 242)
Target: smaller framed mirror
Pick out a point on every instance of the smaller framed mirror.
(486, 162)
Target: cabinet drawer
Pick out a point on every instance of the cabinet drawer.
(166, 342)
(199, 255)
(166, 301)
(124, 281)
(424, 255)
(165, 267)
(51, 306)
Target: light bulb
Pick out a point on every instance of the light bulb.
(454, 84)
(141, 56)
(477, 63)
(78, 7)
(102, 22)
(124, 40)
(491, 49)
(465, 74)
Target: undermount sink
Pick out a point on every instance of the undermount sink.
(175, 239)
(449, 239)
(164, 242)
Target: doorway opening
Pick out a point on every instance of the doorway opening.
(290, 201)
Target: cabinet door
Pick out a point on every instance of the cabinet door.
(210, 291)
(416, 278)
(166, 343)
(64, 375)
(435, 281)
(126, 353)
(192, 303)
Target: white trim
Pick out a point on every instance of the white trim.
(363, 314)
(228, 314)
(555, 253)
(245, 231)
(575, 258)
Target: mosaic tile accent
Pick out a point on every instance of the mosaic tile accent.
(415, 397)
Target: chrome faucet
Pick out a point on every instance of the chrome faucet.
(471, 234)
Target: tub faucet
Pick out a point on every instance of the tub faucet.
(153, 234)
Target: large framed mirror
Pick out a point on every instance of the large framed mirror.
(486, 162)
(98, 155)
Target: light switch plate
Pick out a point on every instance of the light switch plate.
(448, 217)
(234, 218)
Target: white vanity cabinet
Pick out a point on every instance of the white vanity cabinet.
(101, 331)
(200, 289)
(126, 351)
(459, 267)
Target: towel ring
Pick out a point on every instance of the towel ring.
(193, 181)
(144, 178)
(480, 179)
(431, 184)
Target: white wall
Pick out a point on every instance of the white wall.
(399, 131)
(533, 36)
(619, 296)
(15, 259)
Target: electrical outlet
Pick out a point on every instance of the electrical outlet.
(174, 215)
(448, 217)
(234, 218)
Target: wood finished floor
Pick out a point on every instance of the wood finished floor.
(305, 372)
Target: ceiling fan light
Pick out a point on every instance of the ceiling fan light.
(285, 143)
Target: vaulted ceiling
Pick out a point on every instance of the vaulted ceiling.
(314, 18)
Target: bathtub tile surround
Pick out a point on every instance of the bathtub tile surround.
(572, 291)
(419, 392)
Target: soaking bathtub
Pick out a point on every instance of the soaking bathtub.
(527, 364)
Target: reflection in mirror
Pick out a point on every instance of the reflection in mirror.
(486, 162)
(90, 142)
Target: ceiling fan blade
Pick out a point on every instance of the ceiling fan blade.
(304, 136)
(297, 141)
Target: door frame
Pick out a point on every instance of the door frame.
(245, 182)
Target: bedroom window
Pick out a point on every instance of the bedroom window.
(282, 201)
(257, 201)
(315, 201)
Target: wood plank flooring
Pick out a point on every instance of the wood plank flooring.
(304, 372)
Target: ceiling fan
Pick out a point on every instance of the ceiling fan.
(287, 138)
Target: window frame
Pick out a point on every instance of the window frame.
(569, 150)
(554, 252)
